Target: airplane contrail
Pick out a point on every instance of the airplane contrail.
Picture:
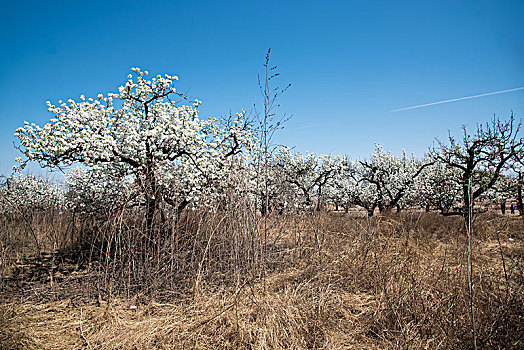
(305, 127)
(459, 99)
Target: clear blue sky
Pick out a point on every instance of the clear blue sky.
(350, 63)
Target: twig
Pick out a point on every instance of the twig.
(82, 332)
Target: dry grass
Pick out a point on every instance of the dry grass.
(330, 282)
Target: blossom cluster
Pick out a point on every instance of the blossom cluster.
(24, 195)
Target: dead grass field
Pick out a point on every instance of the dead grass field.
(325, 281)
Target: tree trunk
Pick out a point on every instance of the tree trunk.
(309, 202)
(150, 213)
(520, 205)
(319, 201)
(151, 194)
(263, 209)
(466, 197)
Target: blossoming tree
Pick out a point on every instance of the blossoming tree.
(435, 188)
(392, 176)
(143, 128)
(308, 174)
(480, 158)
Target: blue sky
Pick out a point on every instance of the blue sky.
(350, 63)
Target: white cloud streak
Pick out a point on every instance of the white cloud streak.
(458, 99)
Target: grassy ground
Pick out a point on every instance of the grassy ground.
(327, 281)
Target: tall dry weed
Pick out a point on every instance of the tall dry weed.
(332, 281)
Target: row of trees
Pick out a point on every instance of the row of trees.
(450, 178)
(146, 147)
(295, 182)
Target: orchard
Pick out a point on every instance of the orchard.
(275, 247)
